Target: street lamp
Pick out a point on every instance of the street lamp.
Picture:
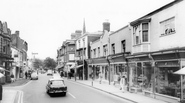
(83, 58)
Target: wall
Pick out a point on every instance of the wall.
(116, 37)
(159, 42)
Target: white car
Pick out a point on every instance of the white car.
(49, 72)
(34, 75)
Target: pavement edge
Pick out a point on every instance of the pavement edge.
(105, 91)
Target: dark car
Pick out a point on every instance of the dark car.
(56, 85)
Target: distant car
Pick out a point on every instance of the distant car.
(34, 75)
(56, 85)
(43, 71)
(49, 72)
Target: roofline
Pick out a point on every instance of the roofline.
(159, 9)
(120, 29)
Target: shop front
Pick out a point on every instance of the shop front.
(118, 67)
(100, 66)
(152, 74)
(141, 74)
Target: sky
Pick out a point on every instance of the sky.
(45, 24)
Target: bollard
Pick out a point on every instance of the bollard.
(1, 92)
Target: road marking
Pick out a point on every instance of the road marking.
(71, 95)
(20, 98)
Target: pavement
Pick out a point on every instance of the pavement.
(114, 90)
(11, 95)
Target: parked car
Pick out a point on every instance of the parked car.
(34, 75)
(49, 72)
(56, 85)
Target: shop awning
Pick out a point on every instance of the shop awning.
(59, 66)
(3, 69)
(180, 71)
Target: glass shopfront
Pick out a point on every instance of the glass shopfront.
(162, 80)
(142, 76)
(168, 83)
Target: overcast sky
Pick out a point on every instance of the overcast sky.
(45, 24)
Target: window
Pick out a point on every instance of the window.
(98, 51)
(136, 34)
(141, 33)
(123, 43)
(105, 50)
(79, 43)
(113, 48)
(144, 32)
(95, 53)
(1, 44)
(91, 54)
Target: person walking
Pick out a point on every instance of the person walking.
(100, 77)
(122, 83)
(26, 74)
(61, 74)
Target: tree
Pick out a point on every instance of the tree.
(49, 63)
(37, 63)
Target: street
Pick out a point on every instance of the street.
(35, 92)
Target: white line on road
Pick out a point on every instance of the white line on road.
(20, 99)
(71, 95)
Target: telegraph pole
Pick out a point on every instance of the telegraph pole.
(34, 56)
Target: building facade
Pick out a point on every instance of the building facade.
(5, 51)
(156, 53)
(83, 53)
(19, 49)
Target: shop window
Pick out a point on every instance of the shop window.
(168, 83)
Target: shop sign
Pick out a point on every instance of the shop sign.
(168, 64)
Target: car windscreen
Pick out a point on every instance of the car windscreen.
(57, 83)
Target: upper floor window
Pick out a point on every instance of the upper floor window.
(98, 51)
(123, 44)
(95, 53)
(141, 30)
(113, 48)
(105, 50)
(141, 33)
(79, 43)
(168, 26)
(91, 54)
(144, 32)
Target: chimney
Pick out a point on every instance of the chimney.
(17, 33)
(106, 26)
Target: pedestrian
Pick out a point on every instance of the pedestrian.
(122, 83)
(26, 74)
(61, 74)
(1, 92)
(100, 77)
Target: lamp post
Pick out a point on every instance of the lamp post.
(75, 59)
(83, 58)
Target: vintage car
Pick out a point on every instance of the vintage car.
(56, 85)
(34, 75)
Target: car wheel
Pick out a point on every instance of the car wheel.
(47, 91)
(64, 94)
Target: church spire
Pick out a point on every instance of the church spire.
(84, 28)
